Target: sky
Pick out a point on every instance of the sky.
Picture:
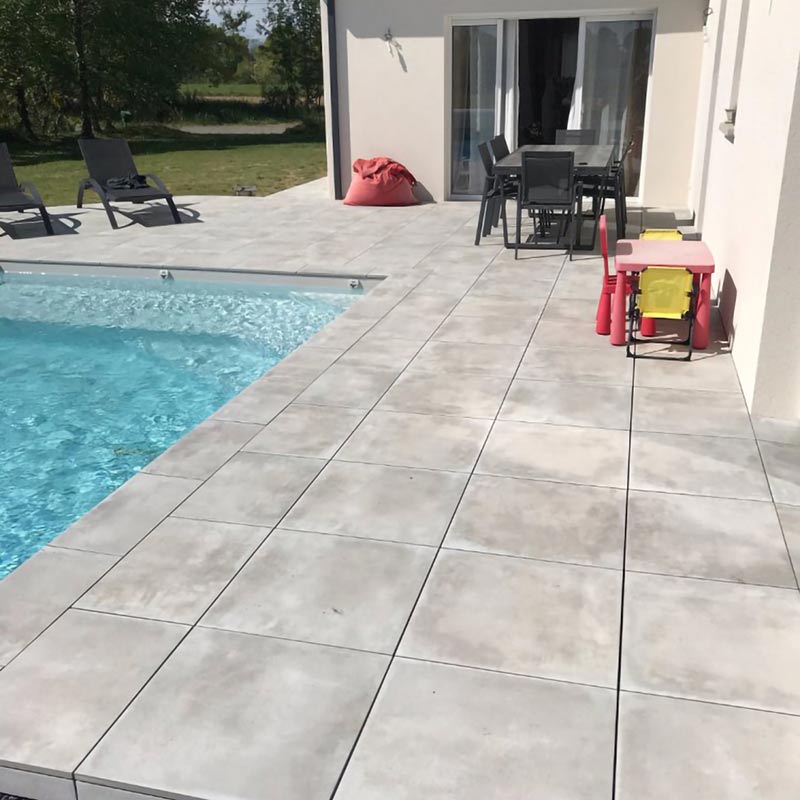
(256, 8)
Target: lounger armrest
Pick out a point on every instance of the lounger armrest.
(91, 183)
(158, 182)
(29, 188)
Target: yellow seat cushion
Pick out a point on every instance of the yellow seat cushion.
(664, 292)
(669, 234)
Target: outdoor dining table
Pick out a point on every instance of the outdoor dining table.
(590, 159)
(635, 255)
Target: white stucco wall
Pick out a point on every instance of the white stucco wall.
(395, 107)
(747, 194)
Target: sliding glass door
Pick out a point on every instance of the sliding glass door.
(612, 90)
(476, 71)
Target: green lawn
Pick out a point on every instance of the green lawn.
(188, 163)
(222, 89)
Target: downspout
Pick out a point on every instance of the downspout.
(333, 99)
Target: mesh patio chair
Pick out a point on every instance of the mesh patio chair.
(16, 196)
(496, 190)
(613, 188)
(548, 186)
(576, 136)
(110, 161)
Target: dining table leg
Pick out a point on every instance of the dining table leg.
(618, 312)
(702, 323)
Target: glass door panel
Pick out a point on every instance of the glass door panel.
(614, 86)
(475, 94)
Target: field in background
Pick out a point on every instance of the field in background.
(188, 163)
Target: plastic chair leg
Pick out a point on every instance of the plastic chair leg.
(603, 323)
(648, 326)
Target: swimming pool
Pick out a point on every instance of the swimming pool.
(100, 375)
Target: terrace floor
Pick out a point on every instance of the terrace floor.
(455, 546)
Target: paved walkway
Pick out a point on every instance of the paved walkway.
(455, 546)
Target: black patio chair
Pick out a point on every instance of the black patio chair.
(16, 196)
(496, 190)
(612, 187)
(547, 186)
(111, 167)
(576, 136)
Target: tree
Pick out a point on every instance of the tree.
(289, 63)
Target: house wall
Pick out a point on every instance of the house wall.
(747, 192)
(395, 104)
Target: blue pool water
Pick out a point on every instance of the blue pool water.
(98, 376)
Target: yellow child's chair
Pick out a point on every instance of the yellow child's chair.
(663, 293)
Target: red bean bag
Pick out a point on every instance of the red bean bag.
(381, 182)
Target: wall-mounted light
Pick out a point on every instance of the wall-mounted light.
(707, 12)
(391, 43)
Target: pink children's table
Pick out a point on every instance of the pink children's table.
(635, 255)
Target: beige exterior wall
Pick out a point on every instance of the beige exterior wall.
(398, 106)
(747, 192)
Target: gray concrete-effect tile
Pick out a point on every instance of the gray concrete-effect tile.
(372, 501)
(576, 311)
(304, 430)
(556, 453)
(39, 590)
(491, 360)
(379, 352)
(538, 519)
(18, 783)
(683, 411)
(203, 451)
(707, 537)
(280, 718)
(707, 640)
(349, 386)
(782, 463)
(679, 748)
(493, 285)
(490, 306)
(76, 678)
(127, 515)
(562, 403)
(582, 365)
(325, 589)
(267, 397)
(704, 465)
(516, 615)
(486, 330)
(711, 373)
(782, 431)
(252, 489)
(446, 394)
(441, 732)
(790, 522)
(176, 572)
(558, 333)
(417, 440)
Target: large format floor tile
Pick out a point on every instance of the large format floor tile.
(705, 465)
(715, 641)
(557, 453)
(259, 719)
(672, 748)
(440, 732)
(711, 373)
(378, 502)
(350, 386)
(449, 395)
(128, 515)
(62, 693)
(707, 537)
(177, 571)
(203, 451)
(327, 589)
(252, 489)
(417, 440)
(587, 365)
(562, 403)
(311, 431)
(517, 615)
(790, 522)
(35, 593)
(540, 519)
(782, 462)
(489, 360)
(682, 411)
(487, 330)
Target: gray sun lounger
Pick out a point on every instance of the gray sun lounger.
(109, 159)
(16, 196)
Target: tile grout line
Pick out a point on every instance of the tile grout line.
(394, 654)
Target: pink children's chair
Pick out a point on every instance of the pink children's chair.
(603, 324)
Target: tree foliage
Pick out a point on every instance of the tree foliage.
(289, 63)
(96, 58)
